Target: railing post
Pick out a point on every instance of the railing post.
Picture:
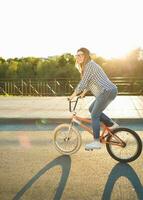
(22, 86)
(126, 86)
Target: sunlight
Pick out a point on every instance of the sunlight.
(107, 28)
(114, 52)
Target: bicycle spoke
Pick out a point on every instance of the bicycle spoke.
(131, 147)
(66, 141)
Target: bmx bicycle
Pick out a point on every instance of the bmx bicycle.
(122, 144)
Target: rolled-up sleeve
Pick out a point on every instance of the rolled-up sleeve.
(85, 79)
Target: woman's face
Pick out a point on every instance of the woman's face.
(80, 57)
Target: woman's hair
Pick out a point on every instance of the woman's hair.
(86, 53)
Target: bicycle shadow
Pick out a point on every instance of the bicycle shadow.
(64, 162)
(127, 171)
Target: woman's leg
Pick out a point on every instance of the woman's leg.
(103, 118)
(95, 119)
(106, 120)
(96, 125)
(101, 102)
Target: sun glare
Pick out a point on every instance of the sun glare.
(110, 28)
(114, 51)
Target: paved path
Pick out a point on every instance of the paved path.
(123, 107)
(31, 169)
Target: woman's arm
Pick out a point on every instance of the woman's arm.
(74, 94)
(83, 93)
(82, 86)
(85, 79)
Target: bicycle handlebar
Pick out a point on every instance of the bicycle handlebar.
(70, 103)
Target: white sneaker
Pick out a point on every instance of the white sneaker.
(94, 145)
(115, 125)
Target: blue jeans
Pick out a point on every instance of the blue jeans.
(96, 110)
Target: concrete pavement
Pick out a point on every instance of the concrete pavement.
(31, 169)
(123, 107)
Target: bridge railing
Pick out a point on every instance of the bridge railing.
(62, 87)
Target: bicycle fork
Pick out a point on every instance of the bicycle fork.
(71, 125)
(69, 131)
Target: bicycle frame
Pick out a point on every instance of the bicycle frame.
(105, 133)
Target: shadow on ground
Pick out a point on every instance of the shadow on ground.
(127, 171)
(64, 162)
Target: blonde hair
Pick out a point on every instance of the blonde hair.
(86, 53)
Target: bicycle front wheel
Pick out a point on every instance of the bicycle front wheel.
(67, 139)
(131, 149)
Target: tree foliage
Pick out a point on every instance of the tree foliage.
(63, 66)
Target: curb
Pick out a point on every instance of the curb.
(60, 120)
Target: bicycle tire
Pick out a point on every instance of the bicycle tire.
(69, 149)
(126, 135)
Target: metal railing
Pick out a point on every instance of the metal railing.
(63, 87)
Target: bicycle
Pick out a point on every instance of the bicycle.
(122, 144)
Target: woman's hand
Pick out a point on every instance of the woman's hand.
(72, 96)
(82, 95)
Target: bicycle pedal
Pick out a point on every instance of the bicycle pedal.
(88, 149)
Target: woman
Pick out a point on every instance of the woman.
(94, 79)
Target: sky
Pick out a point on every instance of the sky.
(42, 28)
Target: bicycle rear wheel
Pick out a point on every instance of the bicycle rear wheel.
(132, 145)
(67, 140)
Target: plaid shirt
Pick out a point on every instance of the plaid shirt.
(94, 79)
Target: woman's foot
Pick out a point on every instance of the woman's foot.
(94, 145)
